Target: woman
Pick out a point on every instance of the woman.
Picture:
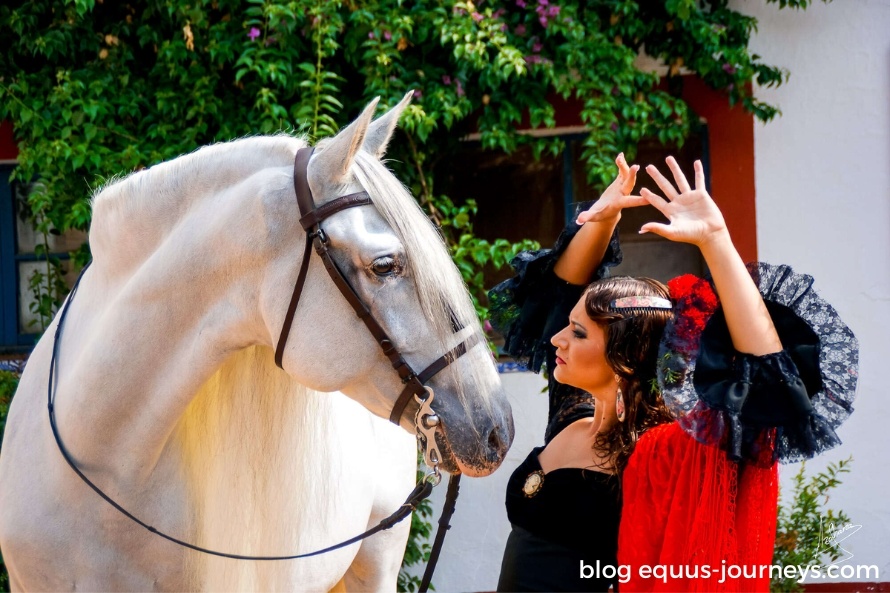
(686, 458)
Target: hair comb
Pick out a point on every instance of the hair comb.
(635, 305)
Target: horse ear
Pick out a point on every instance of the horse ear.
(381, 129)
(336, 158)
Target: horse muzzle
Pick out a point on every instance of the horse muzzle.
(479, 446)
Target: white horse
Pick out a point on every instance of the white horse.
(168, 399)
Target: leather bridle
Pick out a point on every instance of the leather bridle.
(425, 419)
(311, 218)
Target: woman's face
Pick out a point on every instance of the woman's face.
(581, 354)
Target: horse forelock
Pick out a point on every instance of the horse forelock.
(439, 285)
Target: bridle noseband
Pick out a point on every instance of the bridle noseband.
(311, 218)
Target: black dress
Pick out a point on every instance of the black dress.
(565, 523)
(565, 529)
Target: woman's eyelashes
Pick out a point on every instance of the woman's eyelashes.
(579, 334)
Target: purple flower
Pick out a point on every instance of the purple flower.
(253, 33)
(543, 21)
(476, 17)
(519, 30)
(498, 13)
(554, 10)
(371, 35)
(504, 27)
(543, 2)
(731, 87)
(487, 326)
(387, 35)
(537, 47)
(532, 59)
(521, 3)
(418, 93)
(460, 89)
(446, 79)
(729, 68)
(614, 127)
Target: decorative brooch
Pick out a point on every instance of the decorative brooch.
(533, 483)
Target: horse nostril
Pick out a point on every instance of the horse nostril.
(495, 442)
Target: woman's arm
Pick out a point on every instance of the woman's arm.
(694, 218)
(584, 253)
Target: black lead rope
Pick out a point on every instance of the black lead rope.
(420, 492)
(444, 520)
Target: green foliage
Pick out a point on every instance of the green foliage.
(95, 89)
(805, 523)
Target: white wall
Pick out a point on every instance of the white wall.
(823, 204)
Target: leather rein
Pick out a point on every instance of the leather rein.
(425, 420)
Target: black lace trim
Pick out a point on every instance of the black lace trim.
(531, 307)
(782, 406)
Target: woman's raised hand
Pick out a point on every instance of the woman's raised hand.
(616, 197)
(693, 215)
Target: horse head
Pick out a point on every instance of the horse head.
(397, 263)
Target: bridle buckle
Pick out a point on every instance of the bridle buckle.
(320, 240)
(426, 421)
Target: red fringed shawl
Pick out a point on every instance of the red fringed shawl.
(686, 508)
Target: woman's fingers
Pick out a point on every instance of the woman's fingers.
(656, 228)
(633, 201)
(625, 172)
(621, 162)
(699, 175)
(679, 178)
(631, 179)
(654, 199)
(660, 180)
(622, 202)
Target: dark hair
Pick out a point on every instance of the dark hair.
(632, 339)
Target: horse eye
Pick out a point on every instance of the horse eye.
(383, 266)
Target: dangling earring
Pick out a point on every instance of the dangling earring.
(619, 401)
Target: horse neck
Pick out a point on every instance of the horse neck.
(133, 217)
(160, 318)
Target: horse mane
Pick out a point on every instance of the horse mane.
(148, 203)
(440, 288)
(247, 441)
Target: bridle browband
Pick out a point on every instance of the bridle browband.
(425, 419)
(311, 219)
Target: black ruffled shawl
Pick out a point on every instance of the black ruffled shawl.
(782, 406)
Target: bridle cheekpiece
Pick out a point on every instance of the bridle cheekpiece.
(426, 421)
